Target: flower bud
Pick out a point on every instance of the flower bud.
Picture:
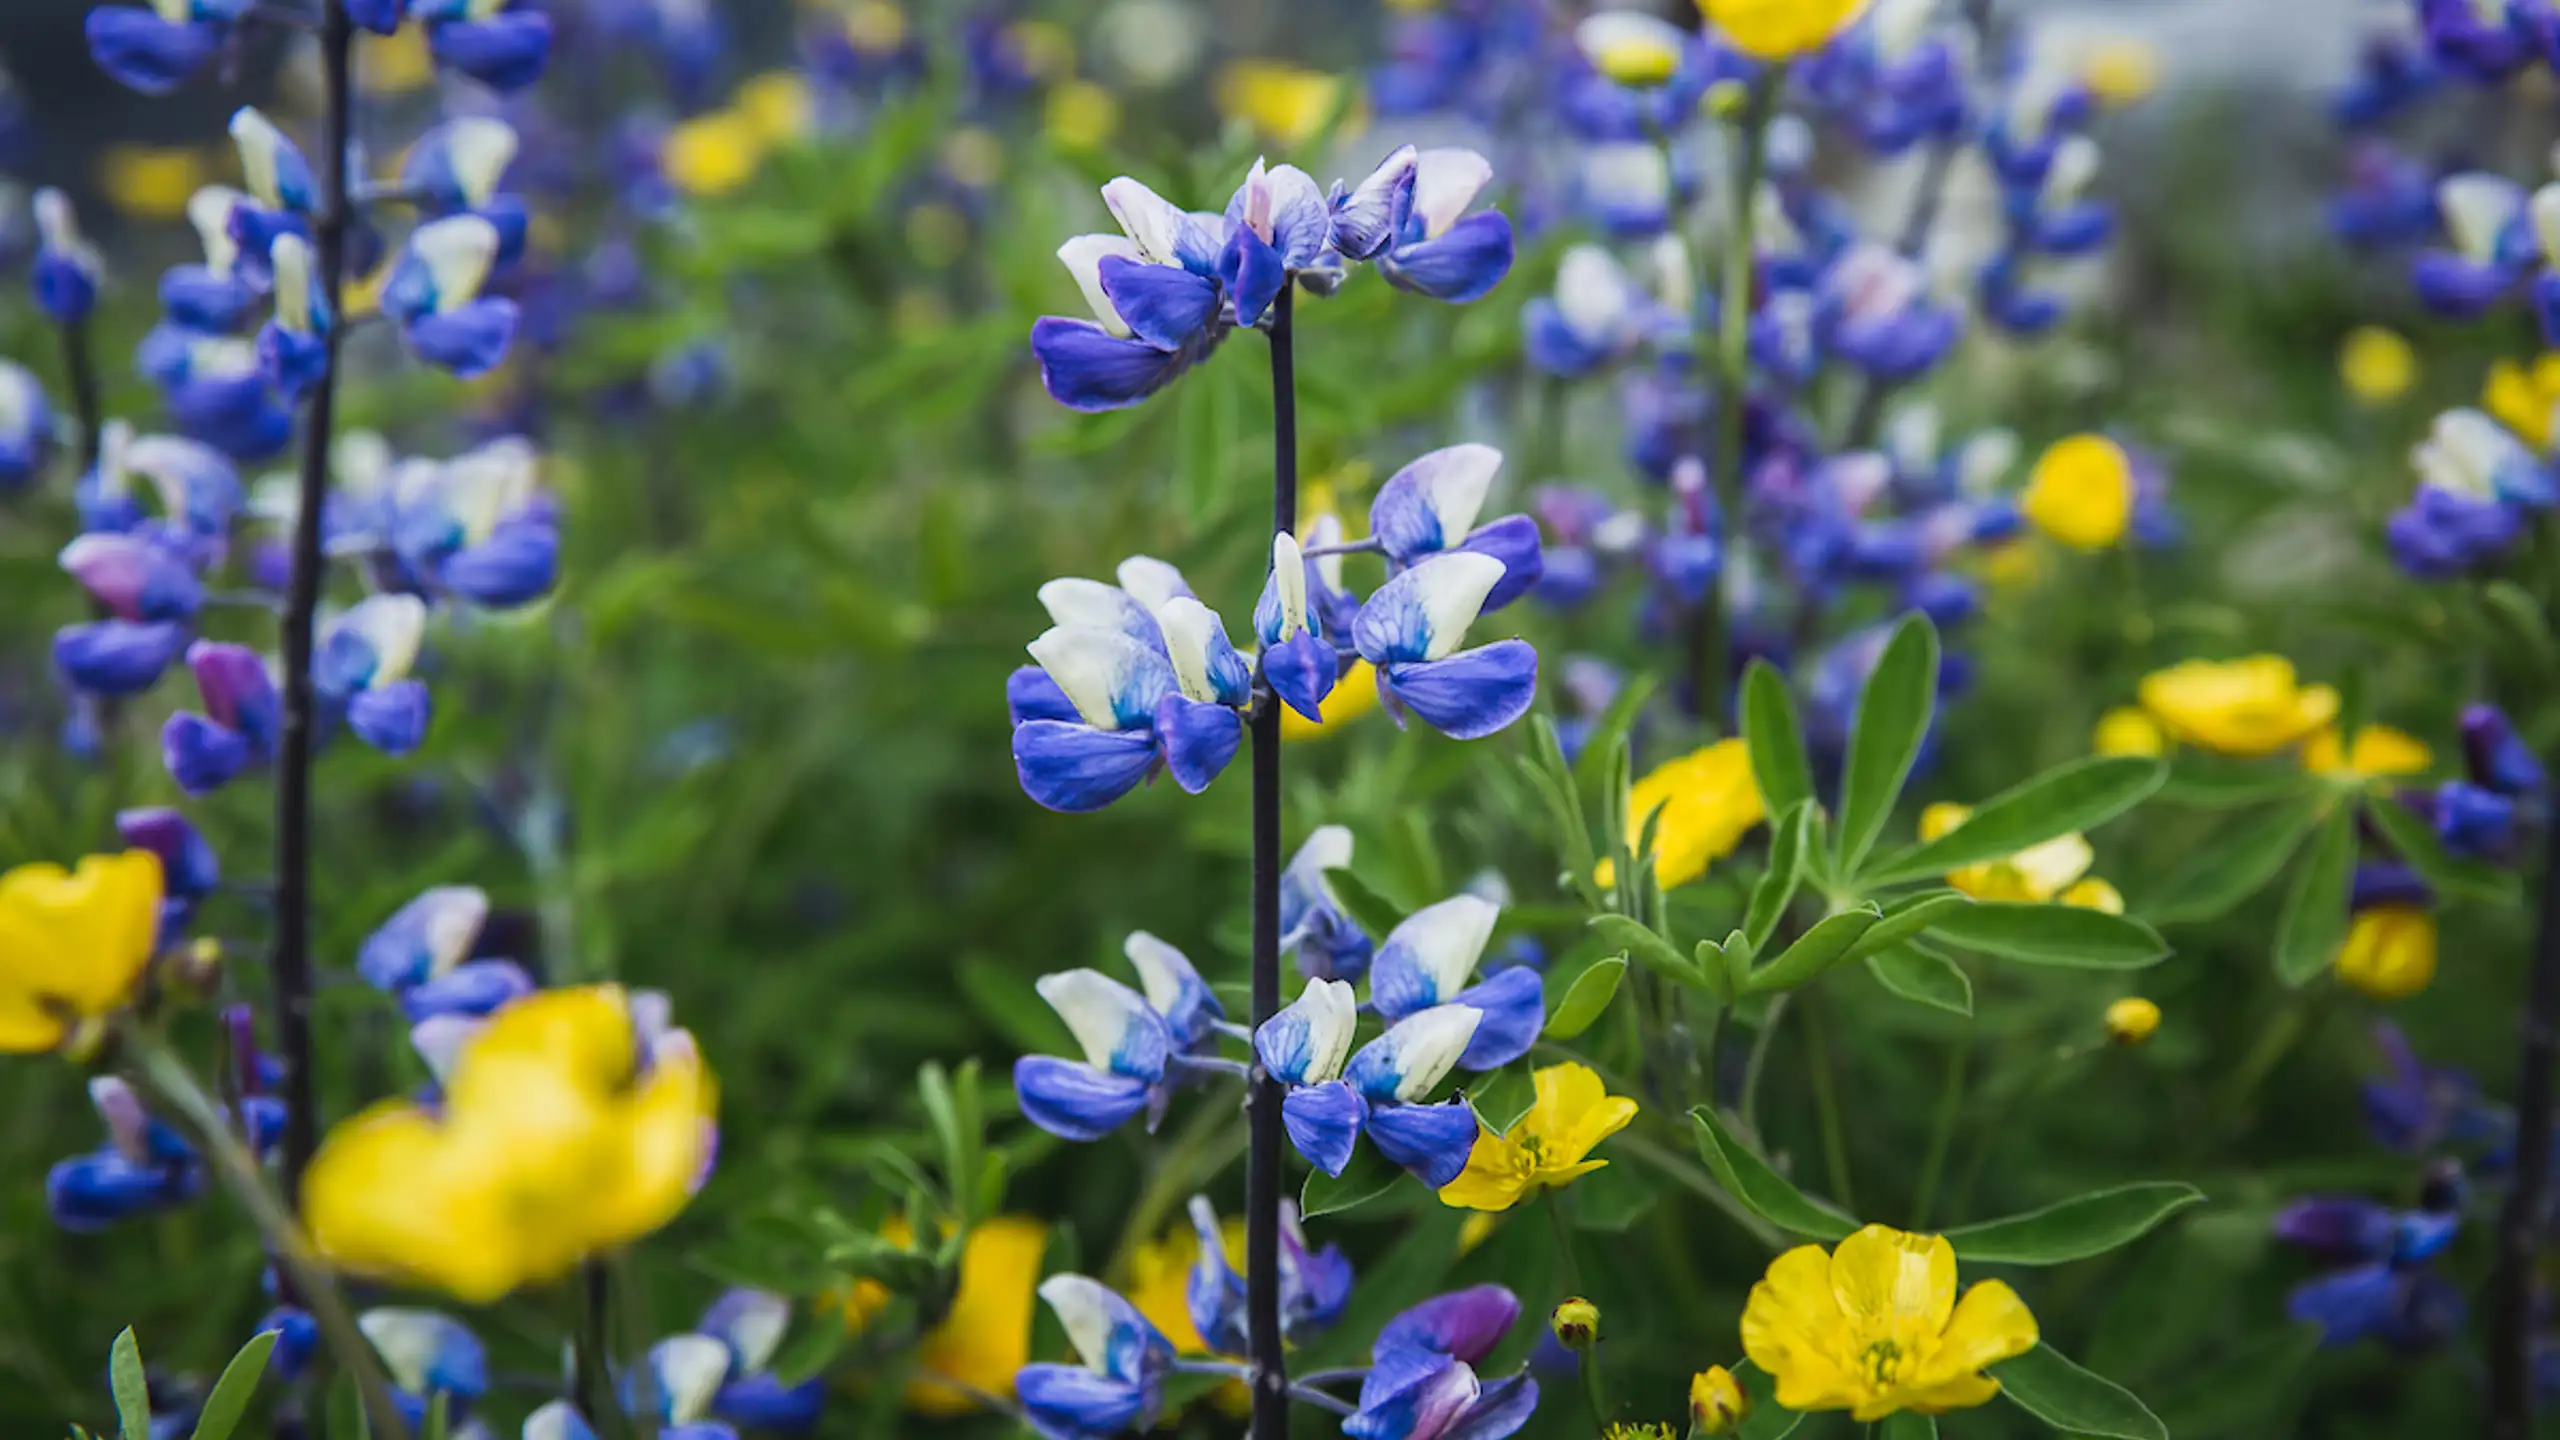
(1577, 1324)
(2131, 1020)
(1717, 1405)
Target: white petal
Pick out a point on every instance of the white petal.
(689, 1370)
(1329, 848)
(1592, 293)
(439, 1041)
(1675, 284)
(757, 1321)
(1151, 581)
(558, 1420)
(1160, 968)
(1098, 1010)
(1447, 939)
(479, 148)
(1445, 182)
(1085, 1308)
(1148, 218)
(394, 625)
(1449, 590)
(1289, 575)
(1324, 533)
(2476, 211)
(484, 485)
(1189, 626)
(259, 141)
(209, 211)
(2075, 163)
(457, 252)
(1106, 675)
(290, 254)
(1333, 1015)
(1083, 256)
(1427, 1046)
(1625, 178)
(2546, 222)
(1454, 481)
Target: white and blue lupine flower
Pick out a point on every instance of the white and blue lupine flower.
(153, 50)
(751, 1323)
(1304, 1047)
(214, 296)
(478, 526)
(684, 1374)
(274, 168)
(1113, 684)
(1429, 508)
(1130, 677)
(1297, 659)
(557, 1420)
(1128, 1051)
(1876, 311)
(1328, 943)
(427, 1352)
(1422, 1383)
(1410, 630)
(2488, 219)
(434, 294)
(1442, 251)
(217, 391)
(362, 670)
(26, 424)
(501, 47)
(135, 575)
(425, 938)
(144, 1168)
(68, 268)
(241, 725)
(455, 169)
(293, 345)
(1625, 187)
(1278, 225)
(1427, 961)
(1379, 1089)
(1119, 1384)
(1596, 315)
(1367, 219)
(1314, 1287)
(1190, 1011)
(1158, 303)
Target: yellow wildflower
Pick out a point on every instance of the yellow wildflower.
(551, 1146)
(713, 154)
(2526, 401)
(2081, 492)
(1576, 1324)
(1081, 115)
(2131, 1021)
(1354, 695)
(1160, 1279)
(1283, 103)
(1478, 1228)
(2378, 751)
(2248, 707)
(1717, 1405)
(777, 104)
(1573, 1113)
(1708, 802)
(2121, 70)
(1876, 1327)
(73, 943)
(1781, 29)
(986, 1336)
(2126, 730)
(2390, 951)
(151, 182)
(1631, 47)
(2033, 875)
(2093, 894)
(2377, 365)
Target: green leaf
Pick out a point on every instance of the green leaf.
(1893, 718)
(1502, 1097)
(1611, 730)
(1817, 950)
(1927, 979)
(1907, 1425)
(2450, 875)
(231, 1394)
(2520, 615)
(439, 1416)
(2314, 920)
(1776, 741)
(1749, 1179)
(1375, 912)
(1591, 993)
(2202, 780)
(1368, 1177)
(1907, 917)
(132, 1391)
(1788, 843)
(1654, 952)
(2065, 935)
(2074, 797)
(999, 996)
(808, 1351)
(2044, 1383)
(1768, 1419)
(347, 1420)
(1612, 1198)
(2223, 872)
(2077, 1228)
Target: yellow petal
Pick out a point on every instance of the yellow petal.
(667, 1137)
(1989, 1325)
(1496, 1176)
(2125, 730)
(2390, 952)
(1792, 1312)
(1781, 29)
(2379, 366)
(1354, 695)
(1885, 1274)
(987, 1335)
(2094, 895)
(1961, 1394)
(77, 940)
(1940, 819)
(2081, 492)
(381, 1199)
(2049, 868)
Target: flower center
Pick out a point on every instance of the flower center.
(1882, 1362)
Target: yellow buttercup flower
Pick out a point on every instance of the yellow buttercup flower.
(2081, 492)
(1080, 115)
(1631, 47)
(2033, 875)
(2093, 894)
(778, 104)
(1781, 29)
(2390, 952)
(1575, 1324)
(2131, 1021)
(1717, 1405)
(2526, 400)
(1354, 695)
(2248, 707)
(1283, 103)
(1477, 1229)
(2126, 730)
(2121, 70)
(151, 182)
(713, 154)
(1876, 1327)
(2379, 751)
(73, 943)
(1573, 1113)
(1708, 802)
(986, 1336)
(2377, 365)
(551, 1145)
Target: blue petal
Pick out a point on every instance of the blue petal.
(1471, 694)
(188, 866)
(1432, 1141)
(1215, 1294)
(427, 1351)
(146, 53)
(1368, 219)
(507, 51)
(516, 565)
(1307, 1042)
(1302, 673)
(391, 718)
(431, 934)
(382, 17)
(762, 1402)
(1553, 346)
(1164, 305)
(2454, 285)
(1252, 272)
(468, 340)
(238, 692)
(117, 657)
(1465, 1325)
(1069, 1402)
(291, 359)
(1462, 265)
(1500, 1409)
(1073, 767)
(471, 989)
(1085, 367)
(2346, 1306)
(1427, 958)
(1199, 738)
(91, 1192)
(2077, 230)
(1424, 611)
(1030, 694)
(1513, 540)
(1324, 1123)
(201, 755)
(203, 299)
(1075, 1101)
(1514, 1003)
(1424, 507)
(1415, 1397)
(1174, 987)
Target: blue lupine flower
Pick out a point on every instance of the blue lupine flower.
(1314, 1286)
(1328, 943)
(144, 1168)
(1626, 188)
(2494, 246)
(241, 726)
(2497, 756)
(189, 868)
(214, 297)
(1157, 299)
(751, 1323)
(1896, 79)
(1128, 1050)
(1175, 991)
(2389, 198)
(1427, 961)
(280, 183)
(154, 50)
(1410, 630)
(1381, 1089)
(1422, 1384)
(474, 989)
(1597, 315)
(26, 424)
(1429, 508)
(424, 939)
(434, 294)
(2485, 41)
(2391, 74)
(1876, 312)
(426, 1352)
(479, 527)
(455, 169)
(1120, 1383)
(297, 1340)
(134, 576)
(67, 267)
(293, 346)
(2416, 1109)
(218, 391)
(2384, 1289)
(362, 668)
(501, 47)
(116, 656)
(2477, 484)
(685, 1374)
(1297, 656)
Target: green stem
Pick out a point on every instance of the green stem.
(2293, 1019)
(1826, 1100)
(591, 1348)
(631, 1312)
(1593, 1395)
(166, 1076)
(2034, 1084)
(1563, 1226)
(1204, 1147)
(1942, 1132)
(1757, 1065)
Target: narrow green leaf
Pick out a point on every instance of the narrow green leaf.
(1649, 949)
(2451, 876)
(2077, 1228)
(809, 1351)
(439, 1416)
(942, 1109)
(1375, 912)
(1611, 730)
(1908, 916)
(2044, 1383)
(132, 1391)
(1776, 741)
(1768, 1419)
(1591, 993)
(1926, 979)
(1749, 1179)
(347, 1419)
(2236, 864)
(1817, 950)
(2074, 797)
(1893, 718)
(1778, 884)
(1368, 1177)
(2068, 936)
(2520, 615)
(1502, 1097)
(1907, 1425)
(230, 1397)
(2202, 780)
(2313, 922)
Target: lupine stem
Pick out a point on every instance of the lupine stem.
(1710, 645)
(88, 409)
(591, 1345)
(291, 969)
(1262, 1107)
(2520, 1221)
